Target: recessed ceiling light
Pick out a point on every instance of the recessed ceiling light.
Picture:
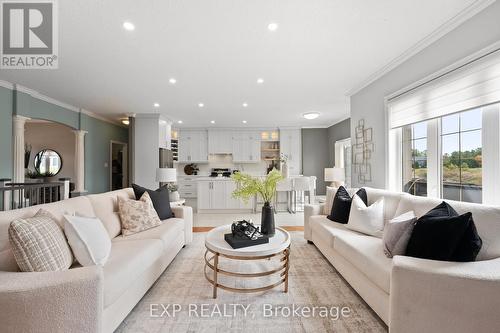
(179, 121)
(128, 26)
(201, 105)
(125, 121)
(244, 105)
(244, 121)
(273, 26)
(212, 121)
(156, 105)
(311, 115)
(260, 80)
(172, 80)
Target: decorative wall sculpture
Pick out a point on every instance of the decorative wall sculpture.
(362, 152)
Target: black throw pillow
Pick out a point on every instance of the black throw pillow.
(160, 199)
(469, 246)
(442, 234)
(342, 204)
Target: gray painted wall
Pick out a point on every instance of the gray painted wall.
(315, 155)
(97, 140)
(473, 35)
(339, 131)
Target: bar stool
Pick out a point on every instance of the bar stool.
(301, 185)
(285, 185)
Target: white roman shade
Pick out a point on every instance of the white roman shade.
(472, 85)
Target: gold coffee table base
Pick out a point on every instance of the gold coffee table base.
(282, 269)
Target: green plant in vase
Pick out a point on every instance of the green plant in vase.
(249, 186)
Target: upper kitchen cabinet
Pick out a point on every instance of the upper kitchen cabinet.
(193, 146)
(220, 141)
(246, 147)
(290, 146)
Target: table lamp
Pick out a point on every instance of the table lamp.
(335, 175)
(166, 175)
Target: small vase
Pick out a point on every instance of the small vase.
(174, 196)
(267, 220)
(285, 171)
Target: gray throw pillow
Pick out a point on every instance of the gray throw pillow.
(397, 233)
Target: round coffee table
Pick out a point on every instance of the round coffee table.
(279, 245)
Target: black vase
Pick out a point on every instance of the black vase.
(267, 220)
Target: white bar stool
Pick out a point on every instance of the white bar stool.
(301, 185)
(285, 185)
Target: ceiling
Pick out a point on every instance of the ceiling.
(217, 49)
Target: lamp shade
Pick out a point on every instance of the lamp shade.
(334, 174)
(166, 175)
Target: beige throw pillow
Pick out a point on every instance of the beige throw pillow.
(38, 244)
(330, 196)
(137, 215)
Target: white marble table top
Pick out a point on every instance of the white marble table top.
(215, 241)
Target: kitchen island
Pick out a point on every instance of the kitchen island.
(215, 196)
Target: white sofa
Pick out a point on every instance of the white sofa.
(88, 299)
(410, 294)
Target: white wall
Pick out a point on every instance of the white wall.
(56, 137)
(146, 154)
(475, 34)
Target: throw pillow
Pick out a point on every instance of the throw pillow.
(367, 220)
(438, 234)
(341, 206)
(38, 244)
(88, 239)
(397, 233)
(160, 199)
(330, 195)
(137, 216)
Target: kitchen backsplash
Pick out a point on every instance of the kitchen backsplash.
(226, 161)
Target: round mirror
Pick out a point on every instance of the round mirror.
(48, 162)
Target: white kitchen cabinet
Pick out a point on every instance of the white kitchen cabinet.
(220, 141)
(204, 189)
(246, 147)
(193, 146)
(217, 195)
(291, 147)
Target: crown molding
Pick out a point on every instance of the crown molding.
(102, 118)
(441, 31)
(37, 95)
(6, 84)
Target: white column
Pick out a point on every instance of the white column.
(433, 158)
(80, 161)
(491, 155)
(18, 123)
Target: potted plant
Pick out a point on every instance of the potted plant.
(249, 186)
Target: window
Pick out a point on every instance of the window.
(461, 160)
(458, 156)
(414, 155)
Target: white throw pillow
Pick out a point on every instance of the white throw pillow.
(88, 239)
(367, 220)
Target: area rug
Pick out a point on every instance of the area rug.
(318, 300)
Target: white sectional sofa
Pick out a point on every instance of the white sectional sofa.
(88, 299)
(411, 294)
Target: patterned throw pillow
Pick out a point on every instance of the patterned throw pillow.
(38, 244)
(137, 215)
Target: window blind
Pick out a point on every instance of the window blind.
(470, 86)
